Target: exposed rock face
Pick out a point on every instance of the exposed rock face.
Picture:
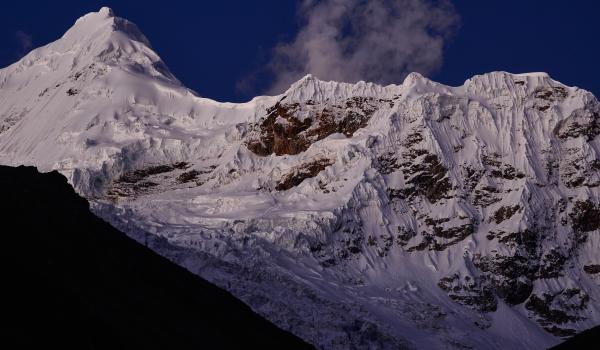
(302, 172)
(558, 308)
(426, 177)
(155, 178)
(582, 122)
(476, 294)
(592, 269)
(511, 276)
(346, 213)
(289, 128)
(585, 216)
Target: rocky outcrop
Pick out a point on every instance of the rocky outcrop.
(289, 128)
(558, 308)
(582, 122)
(511, 276)
(477, 294)
(585, 216)
(301, 173)
(426, 176)
(592, 269)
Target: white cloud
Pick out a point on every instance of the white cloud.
(25, 41)
(373, 40)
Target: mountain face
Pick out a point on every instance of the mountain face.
(353, 215)
(70, 280)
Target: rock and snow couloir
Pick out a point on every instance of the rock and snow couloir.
(353, 215)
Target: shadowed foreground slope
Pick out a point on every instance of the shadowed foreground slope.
(583, 340)
(73, 280)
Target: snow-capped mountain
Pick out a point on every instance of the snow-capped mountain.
(354, 215)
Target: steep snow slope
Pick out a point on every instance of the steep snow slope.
(354, 215)
(98, 96)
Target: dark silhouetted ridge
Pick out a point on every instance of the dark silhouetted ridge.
(588, 339)
(72, 280)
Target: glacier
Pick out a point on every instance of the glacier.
(356, 216)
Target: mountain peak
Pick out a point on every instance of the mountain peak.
(100, 25)
(102, 19)
(106, 11)
(97, 37)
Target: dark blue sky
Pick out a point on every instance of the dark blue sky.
(212, 45)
